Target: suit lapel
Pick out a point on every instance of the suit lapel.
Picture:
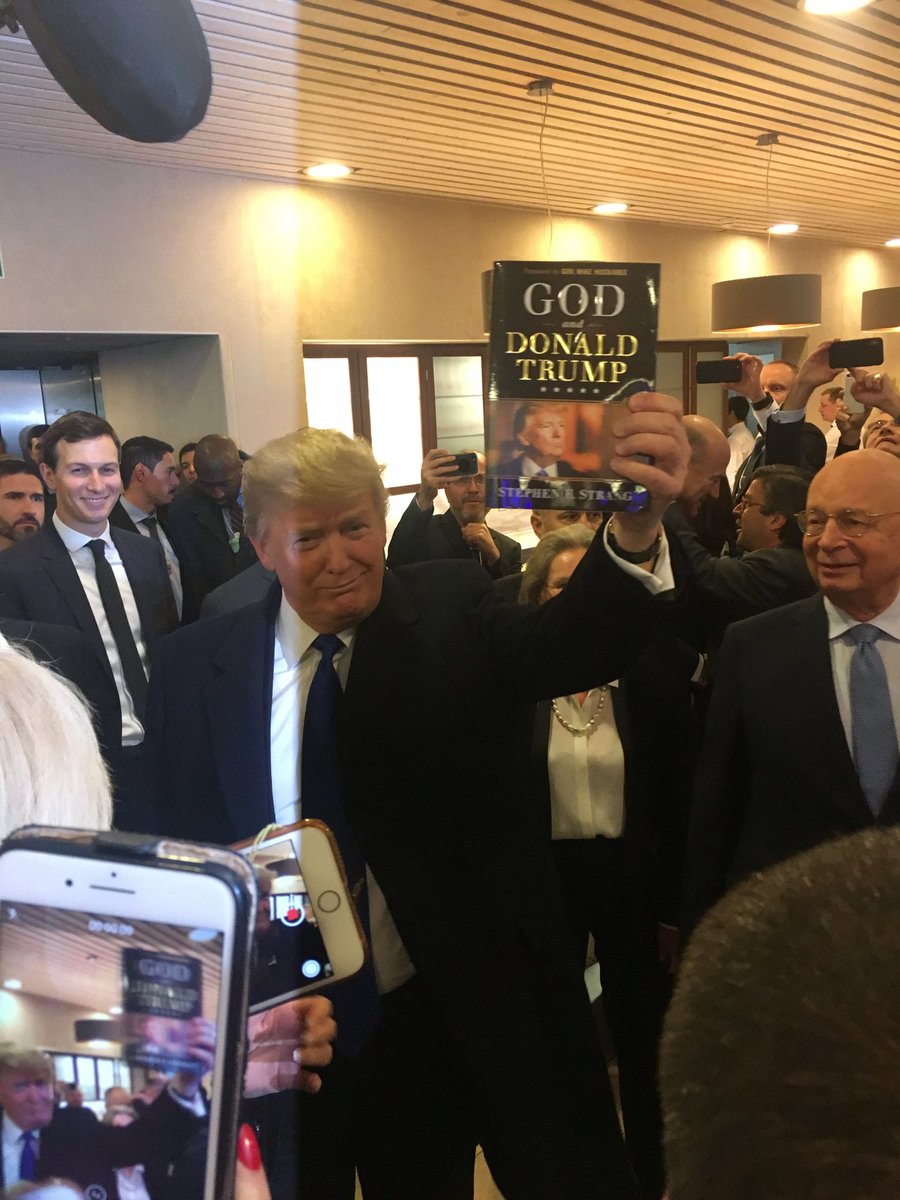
(818, 718)
(59, 566)
(239, 704)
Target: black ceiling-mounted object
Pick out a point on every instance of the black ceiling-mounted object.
(141, 69)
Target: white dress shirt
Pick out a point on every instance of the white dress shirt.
(528, 467)
(83, 561)
(294, 667)
(587, 773)
(832, 438)
(12, 1149)
(740, 443)
(139, 516)
(841, 649)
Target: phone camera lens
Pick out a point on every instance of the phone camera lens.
(68, 883)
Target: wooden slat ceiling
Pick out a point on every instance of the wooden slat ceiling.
(658, 102)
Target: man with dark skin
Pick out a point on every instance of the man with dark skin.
(207, 521)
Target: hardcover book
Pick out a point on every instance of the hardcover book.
(162, 993)
(569, 343)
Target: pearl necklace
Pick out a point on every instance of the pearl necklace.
(581, 730)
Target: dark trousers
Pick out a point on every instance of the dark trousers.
(127, 788)
(602, 901)
(408, 1113)
(398, 1113)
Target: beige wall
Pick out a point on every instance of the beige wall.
(94, 245)
(400, 267)
(40, 1021)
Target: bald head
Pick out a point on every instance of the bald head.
(861, 575)
(710, 454)
(219, 469)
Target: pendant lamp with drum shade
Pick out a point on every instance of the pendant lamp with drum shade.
(767, 303)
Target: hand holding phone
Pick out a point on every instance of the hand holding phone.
(723, 370)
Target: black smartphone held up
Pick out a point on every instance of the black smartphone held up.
(125, 963)
(723, 370)
(857, 352)
(466, 464)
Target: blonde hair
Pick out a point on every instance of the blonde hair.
(51, 772)
(309, 467)
(540, 564)
(25, 1060)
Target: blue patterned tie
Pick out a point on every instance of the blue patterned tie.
(356, 1005)
(28, 1161)
(874, 730)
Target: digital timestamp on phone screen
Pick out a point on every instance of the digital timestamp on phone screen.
(121, 928)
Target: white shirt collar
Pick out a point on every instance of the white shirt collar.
(530, 467)
(840, 622)
(12, 1133)
(73, 540)
(137, 514)
(295, 637)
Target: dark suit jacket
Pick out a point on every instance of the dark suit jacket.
(786, 443)
(776, 776)
(201, 543)
(68, 652)
(76, 1146)
(249, 587)
(38, 582)
(434, 792)
(652, 706)
(512, 468)
(120, 518)
(730, 589)
(425, 536)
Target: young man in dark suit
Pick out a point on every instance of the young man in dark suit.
(111, 585)
(801, 741)
(456, 887)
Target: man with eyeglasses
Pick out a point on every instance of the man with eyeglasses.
(461, 532)
(801, 742)
(771, 570)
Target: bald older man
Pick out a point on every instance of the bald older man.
(207, 522)
(801, 742)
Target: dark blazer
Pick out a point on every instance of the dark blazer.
(434, 793)
(425, 536)
(67, 651)
(730, 589)
(249, 587)
(201, 543)
(38, 582)
(121, 520)
(654, 719)
(512, 468)
(776, 776)
(785, 443)
(76, 1146)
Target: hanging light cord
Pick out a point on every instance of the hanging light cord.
(544, 173)
(768, 205)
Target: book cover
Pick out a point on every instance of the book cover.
(569, 343)
(161, 994)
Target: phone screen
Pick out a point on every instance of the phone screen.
(101, 1000)
(289, 948)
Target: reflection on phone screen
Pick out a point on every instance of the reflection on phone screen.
(289, 950)
(114, 1027)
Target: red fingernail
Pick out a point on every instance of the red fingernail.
(248, 1148)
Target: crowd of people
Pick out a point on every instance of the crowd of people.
(518, 764)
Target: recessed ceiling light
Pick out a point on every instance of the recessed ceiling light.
(329, 170)
(784, 228)
(14, 985)
(611, 208)
(831, 8)
(116, 1010)
(893, 243)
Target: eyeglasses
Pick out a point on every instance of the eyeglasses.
(874, 426)
(742, 504)
(852, 522)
